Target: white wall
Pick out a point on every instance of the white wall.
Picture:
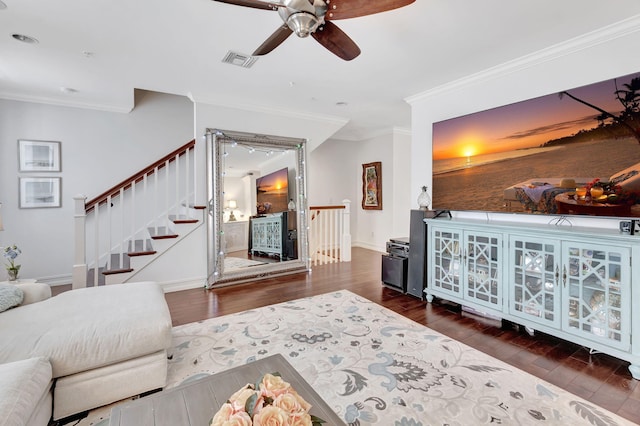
(402, 191)
(234, 189)
(99, 149)
(335, 173)
(330, 176)
(596, 57)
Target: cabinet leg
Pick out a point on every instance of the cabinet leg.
(429, 297)
(635, 371)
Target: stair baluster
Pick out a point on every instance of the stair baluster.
(329, 237)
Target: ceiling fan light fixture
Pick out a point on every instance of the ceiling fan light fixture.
(303, 23)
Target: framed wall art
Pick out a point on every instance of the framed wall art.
(40, 192)
(38, 156)
(372, 186)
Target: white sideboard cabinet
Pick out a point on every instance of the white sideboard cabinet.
(574, 283)
(465, 265)
(267, 234)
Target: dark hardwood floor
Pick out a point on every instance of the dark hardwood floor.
(598, 378)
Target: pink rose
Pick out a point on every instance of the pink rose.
(272, 386)
(227, 415)
(271, 416)
(239, 399)
(303, 419)
(223, 414)
(241, 418)
(291, 402)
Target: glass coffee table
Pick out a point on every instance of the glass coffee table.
(195, 403)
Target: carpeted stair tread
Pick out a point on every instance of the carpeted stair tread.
(182, 219)
(140, 248)
(161, 232)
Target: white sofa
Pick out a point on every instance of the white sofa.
(101, 344)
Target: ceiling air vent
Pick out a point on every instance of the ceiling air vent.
(239, 59)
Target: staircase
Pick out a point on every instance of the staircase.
(132, 225)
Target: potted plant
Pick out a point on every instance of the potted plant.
(10, 253)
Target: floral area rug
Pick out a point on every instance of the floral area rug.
(373, 366)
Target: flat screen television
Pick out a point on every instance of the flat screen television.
(272, 192)
(521, 157)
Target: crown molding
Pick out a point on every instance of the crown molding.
(594, 38)
(67, 103)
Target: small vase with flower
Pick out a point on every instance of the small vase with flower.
(11, 253)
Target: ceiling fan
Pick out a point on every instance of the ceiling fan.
(313, 17)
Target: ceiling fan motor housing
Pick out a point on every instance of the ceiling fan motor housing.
(303, 17)
(302, 23)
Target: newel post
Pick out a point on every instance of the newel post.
(79, 275)
(345, 250)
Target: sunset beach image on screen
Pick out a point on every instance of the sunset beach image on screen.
(272, 191)
(477, 156)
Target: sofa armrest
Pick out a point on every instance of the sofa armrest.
(34, 292)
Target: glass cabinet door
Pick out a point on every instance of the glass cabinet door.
(535, 280)
(446, 261)
(596, 288)
(482, 262)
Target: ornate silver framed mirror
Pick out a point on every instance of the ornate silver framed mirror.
(257, 222)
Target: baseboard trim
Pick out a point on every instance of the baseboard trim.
(188, 284)
(370, 247)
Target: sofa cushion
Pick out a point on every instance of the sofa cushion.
(34, 292)
(10, 296)
(82, 329)
(23, 384)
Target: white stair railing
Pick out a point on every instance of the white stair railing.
(330, 234)
(108, 226)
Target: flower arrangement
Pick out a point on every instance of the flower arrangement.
(10, 253)
(270, 402)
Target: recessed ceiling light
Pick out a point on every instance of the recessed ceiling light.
(25, 38)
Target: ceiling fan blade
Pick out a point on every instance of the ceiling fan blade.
(345, 9)
(256, 4)
(336, 41)
(280, 35)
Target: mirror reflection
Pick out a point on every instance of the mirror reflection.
(257, 221)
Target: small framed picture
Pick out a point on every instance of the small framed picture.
(372, 186)
(40, 192)
(38, 156)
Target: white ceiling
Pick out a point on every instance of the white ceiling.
(106, 49)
